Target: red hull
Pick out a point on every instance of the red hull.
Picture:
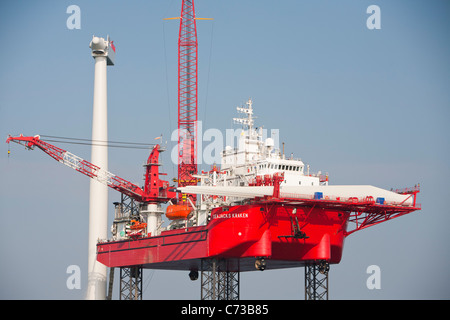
(285, 238)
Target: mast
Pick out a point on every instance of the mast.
(249, 120)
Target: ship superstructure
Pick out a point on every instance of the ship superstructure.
(257, 157)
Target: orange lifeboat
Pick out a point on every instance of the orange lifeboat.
(177, 211)
(136, 225)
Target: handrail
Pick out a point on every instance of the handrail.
(356, 200)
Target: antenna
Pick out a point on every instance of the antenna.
(249, 111)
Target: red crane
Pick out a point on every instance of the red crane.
(187, 96)
(155, 189)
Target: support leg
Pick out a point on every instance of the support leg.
(218, 282)
(131, 283)
(316, 280)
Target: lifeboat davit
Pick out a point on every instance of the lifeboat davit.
(177, 211)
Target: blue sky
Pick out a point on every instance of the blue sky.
(366, 106)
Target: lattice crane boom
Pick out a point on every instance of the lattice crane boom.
(187, 95)
(155, 189)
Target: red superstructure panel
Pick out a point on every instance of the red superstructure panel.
(276, 232)
(168, 248)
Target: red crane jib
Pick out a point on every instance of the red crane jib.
(155, 189)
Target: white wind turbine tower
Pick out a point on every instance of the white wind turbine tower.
(103, 52)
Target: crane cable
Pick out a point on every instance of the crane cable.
(104, 143)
